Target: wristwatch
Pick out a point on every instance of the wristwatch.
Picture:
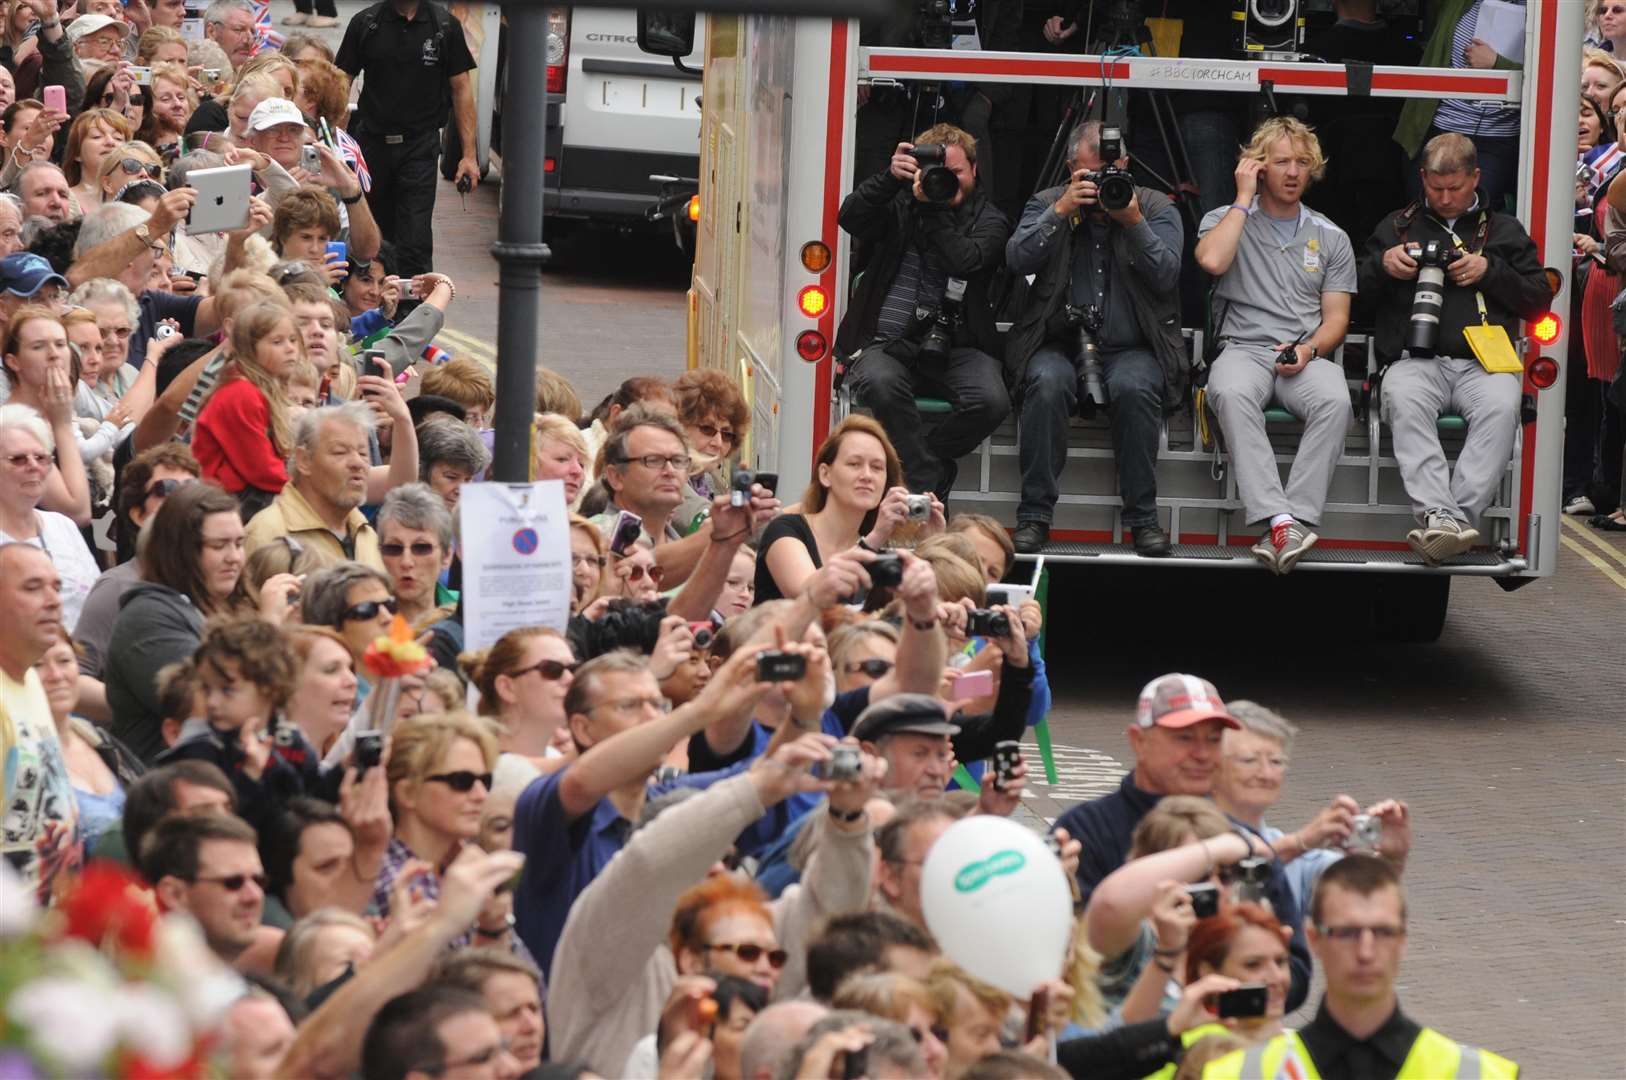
(1314, 353)
(143, 233)
(353, 200)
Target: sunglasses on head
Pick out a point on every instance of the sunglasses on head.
(368, 609)
(421, 549)
(551, 670)
(461, 781)
(874, 667)
(235, 882)
(752, 953)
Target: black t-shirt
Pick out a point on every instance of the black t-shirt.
(409, 65)
(155, 308)
(791, 525)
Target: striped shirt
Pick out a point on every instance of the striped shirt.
(920, 283)
(1475, 119)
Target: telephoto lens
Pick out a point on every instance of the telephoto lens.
(1428, 299)
(937, 182)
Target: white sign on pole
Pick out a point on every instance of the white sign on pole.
(516, 558)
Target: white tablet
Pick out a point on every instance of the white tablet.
(222, 198)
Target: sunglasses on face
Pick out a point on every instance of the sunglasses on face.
(163, 489)
(551, 670)
(462, 781)
(636, 572)
(421, 549)
(874, 667)
(235, 882)
(752, 953)
(18, 461)
(132, 166)
(711, 431)
(368, 610)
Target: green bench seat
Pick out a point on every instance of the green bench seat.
(933, 405)
(1275, 414)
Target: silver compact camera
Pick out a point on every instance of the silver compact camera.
(919, 507)
(844, 764)
(1366, 835)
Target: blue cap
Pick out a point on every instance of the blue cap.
(25, 273)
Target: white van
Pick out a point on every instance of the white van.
(616, 117)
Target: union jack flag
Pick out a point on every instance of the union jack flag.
(264, 36)
(350, 151)
(435, 355)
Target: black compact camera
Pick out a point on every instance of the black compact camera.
(777, 666)
(941, 322)
(844, 764)
(984, 623)
(368, 752)
(1242, 1003)
(1114, 188)
(937, 181)
(885, 571)
(1204, 899)
(1086, 322)
(1433, 259)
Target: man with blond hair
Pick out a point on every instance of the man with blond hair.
(1284, 278)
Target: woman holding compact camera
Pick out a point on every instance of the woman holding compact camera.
(856, 498)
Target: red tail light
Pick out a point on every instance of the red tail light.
(813, 301)
(1543, 372)
(810, 345)
(558, 49)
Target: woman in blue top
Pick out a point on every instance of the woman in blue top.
(99, 766)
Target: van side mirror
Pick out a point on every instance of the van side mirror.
(664, 32)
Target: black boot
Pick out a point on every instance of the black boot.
(1031, 536)
(1151, 541)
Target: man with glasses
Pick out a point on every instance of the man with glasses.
(1253, 765)
(904, 842)
(570, 824)
(1358, 934)
(415, 541)
(209, 867)
(436, 1031)
(1493, 280)
(327, 483)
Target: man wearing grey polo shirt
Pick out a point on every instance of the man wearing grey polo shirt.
(1285, 278)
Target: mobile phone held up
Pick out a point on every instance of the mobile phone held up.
(628, 527)
(1242, 1003)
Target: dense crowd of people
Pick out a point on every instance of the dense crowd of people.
(685, 833)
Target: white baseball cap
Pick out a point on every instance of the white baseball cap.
(273, 111)
(86, 25)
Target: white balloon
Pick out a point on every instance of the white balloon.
(997, 901)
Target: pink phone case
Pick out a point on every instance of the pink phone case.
(973, 684)
(55, 98)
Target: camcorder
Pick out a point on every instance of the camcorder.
(937, 181)
(938, 22)
(1086, 322)
(941, 322)
(844, 764)
(1428, 299)
(1114, 188)
(1269, 29)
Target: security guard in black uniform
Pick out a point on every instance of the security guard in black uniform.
(417, 65)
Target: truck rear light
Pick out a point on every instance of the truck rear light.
(1543, 372)
(558, 48)
(1546, 328)
(693, 209)
(550, 165)
(816, 256)
(813, 301)
(810, 346)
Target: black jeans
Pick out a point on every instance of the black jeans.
(1050, 392)
(320, 7)
(970, 381)
(403, 196)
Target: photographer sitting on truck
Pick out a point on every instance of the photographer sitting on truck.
(920, 315)
(1451, 280)
(1101, 325)
(1285, 275)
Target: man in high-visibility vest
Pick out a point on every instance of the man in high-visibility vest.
(1358, 933)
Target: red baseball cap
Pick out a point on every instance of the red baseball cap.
(1178, 701)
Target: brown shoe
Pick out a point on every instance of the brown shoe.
(322, 22)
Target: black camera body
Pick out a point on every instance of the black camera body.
(776, 666)
(1433, 258)
(1204, 899)
(1114, 188)
(985, 623)
(937, 181)
(885, 571)
(942, 322)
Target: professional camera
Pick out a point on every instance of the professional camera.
(989, 624)
(937, 181)
(939, 22)
(1114, 188)
(1270, 29)
(1427, 300)
(1092, 383)
(941, 322)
